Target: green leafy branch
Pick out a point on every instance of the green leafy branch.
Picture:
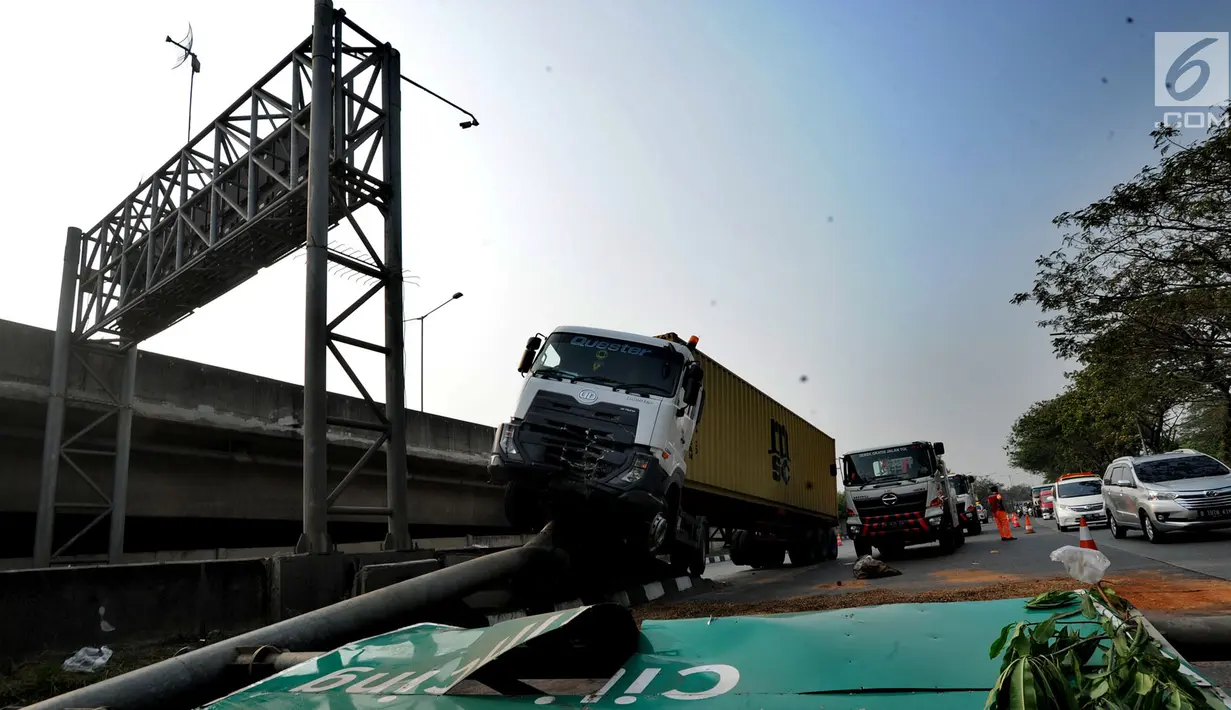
(1051, 667)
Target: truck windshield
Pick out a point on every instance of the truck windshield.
(615, 363)
(896, 463)
(1080, 487)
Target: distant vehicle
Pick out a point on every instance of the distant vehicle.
(900, 495)
(1163, 493)
(1079, 495)
(982, 512)
(963, 490)
(1047, 505)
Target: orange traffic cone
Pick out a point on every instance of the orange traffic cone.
(1084, 536)
(1016, 523)
(1029, 527)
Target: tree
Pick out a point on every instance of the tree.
(1141, 287)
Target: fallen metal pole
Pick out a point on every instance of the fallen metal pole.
(1198, 638)
(274, 659)
(181, 677)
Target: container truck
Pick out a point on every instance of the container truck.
(650, 438)
(900, 495)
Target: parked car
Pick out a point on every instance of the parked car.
(1079, 495)
(1164, 493)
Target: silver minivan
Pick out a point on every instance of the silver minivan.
(1162, 493)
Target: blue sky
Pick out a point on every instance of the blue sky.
(848, 191)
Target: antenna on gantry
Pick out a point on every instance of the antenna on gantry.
(186, 45)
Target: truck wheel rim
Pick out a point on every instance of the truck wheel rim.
(658, 531)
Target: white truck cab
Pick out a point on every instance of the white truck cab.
(900, 495)
(601, 432)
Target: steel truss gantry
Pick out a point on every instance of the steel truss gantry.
(317, 139)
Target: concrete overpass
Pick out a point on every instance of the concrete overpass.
(217, 458)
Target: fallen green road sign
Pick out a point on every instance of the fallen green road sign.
(918, 656)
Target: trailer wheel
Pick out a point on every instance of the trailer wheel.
(802, 554)
(739, 548)
(772, 556)
(829, 544)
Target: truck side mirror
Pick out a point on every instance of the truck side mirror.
(692, 391)
(939, 448)
(527, 357)
(693, 376)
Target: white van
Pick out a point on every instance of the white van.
(1079, 496)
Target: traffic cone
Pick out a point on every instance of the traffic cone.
(1029, 527)
(839, 539)
(1016, 522)
(1084, 536)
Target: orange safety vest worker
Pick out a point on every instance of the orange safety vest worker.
(995, 503)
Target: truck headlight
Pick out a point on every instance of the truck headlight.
(505, 442)
(641, 464)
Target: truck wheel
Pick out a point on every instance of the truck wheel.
(773, 556)
(975, 527)
(801, 555)
(863, 548)
(739, 548)
(948, 543)
(658, 532)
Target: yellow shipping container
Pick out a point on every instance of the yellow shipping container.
(751, 448)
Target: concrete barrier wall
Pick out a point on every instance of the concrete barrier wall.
(207, 486)
(65, 608)
(192, 391)
(62, 609)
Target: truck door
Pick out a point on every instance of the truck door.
(689, 423)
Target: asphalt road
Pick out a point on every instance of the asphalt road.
(1207, 553)
(985, 559)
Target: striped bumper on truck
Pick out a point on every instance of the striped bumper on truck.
(895, 523)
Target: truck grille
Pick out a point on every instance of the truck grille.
(876, 505)
(1201, 500)
(590, 440)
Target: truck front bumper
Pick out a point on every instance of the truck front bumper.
(912, 528)
(567, 493)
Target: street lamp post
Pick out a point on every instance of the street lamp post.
(421, 319)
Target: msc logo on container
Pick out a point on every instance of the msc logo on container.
(779, 452)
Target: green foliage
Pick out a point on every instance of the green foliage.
(1139, 293)
(1052, 600)
(1051, 667)
(1103, 413)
